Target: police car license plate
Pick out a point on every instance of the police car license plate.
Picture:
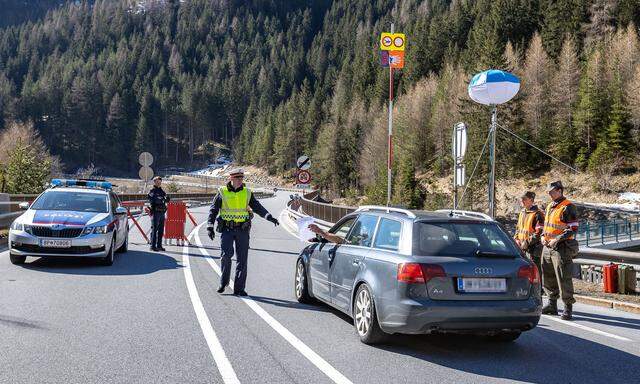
(481, 285)
(55, 243)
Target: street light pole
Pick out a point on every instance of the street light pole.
(492, 160)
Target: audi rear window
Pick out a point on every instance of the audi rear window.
(461, 239)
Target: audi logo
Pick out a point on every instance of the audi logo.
(483, 271)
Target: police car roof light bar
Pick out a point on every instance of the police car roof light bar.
(81, 183)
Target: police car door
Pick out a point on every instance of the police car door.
(121, 220)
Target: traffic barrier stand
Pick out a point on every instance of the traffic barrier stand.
(135, 204)
(175, 222)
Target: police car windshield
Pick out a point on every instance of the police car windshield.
(461, 240)
(72, 201)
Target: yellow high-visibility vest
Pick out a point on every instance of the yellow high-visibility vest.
(525, 229)
(235, 205)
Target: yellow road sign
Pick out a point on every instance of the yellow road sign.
(392, 41)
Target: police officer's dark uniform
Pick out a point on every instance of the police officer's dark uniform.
(158, 200)
(560, 224)
(235, 207)
(529, 230)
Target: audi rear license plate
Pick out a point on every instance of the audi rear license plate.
(481, 285)
(55, 243)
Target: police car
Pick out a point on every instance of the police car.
(81, 218)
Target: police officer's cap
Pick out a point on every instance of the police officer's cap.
(529, 195)
(237, 172)
(157, 178)
(555, 185)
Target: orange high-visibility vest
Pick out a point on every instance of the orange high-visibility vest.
(525, 229)
(553, 224)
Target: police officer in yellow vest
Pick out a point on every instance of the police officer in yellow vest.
(235, 205)
(560, 248)
(529, 228)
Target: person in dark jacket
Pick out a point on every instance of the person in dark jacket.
(158, 200)
(233, 209)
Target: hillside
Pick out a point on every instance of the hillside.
(274, 79)
(21, 11)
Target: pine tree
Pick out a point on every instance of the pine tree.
(535, 79)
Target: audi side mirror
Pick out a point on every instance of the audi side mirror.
(24, 206)
(121, 211)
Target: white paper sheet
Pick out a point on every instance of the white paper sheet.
(304, 233)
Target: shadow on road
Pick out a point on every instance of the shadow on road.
(614, 321)
(274, 251)
(134, 262)
(570, 359)
(289, 304)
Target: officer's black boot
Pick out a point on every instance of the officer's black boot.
(566, 314)
(551, 308)
(221, 288)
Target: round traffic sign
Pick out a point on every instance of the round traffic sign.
(145, 173)
(304, 162)
(386, 41)
(145, 159)
(304, 177)
(398, 41)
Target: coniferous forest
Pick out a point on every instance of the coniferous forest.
(102, 81)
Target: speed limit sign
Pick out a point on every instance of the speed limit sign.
(304, 177)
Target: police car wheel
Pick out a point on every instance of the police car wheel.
(505, 337)
(16, 259)
(108, 260)
(125, 246)
(301, 288)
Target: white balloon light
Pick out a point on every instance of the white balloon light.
(493, 87)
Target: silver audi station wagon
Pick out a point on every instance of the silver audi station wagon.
(401, 271)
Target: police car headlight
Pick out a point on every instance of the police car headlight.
(16, 226)
(87, 230)
(101, 230)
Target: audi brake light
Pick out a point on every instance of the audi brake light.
(530, 272)
(432, 270)
(410, 273)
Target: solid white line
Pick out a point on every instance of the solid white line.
(220, 358)
(585, 328)
(307, 352)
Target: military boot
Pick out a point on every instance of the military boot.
(551, 308)
(566, 314)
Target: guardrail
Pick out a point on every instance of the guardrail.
(614, 231)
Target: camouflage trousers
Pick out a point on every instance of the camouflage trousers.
(557, 270)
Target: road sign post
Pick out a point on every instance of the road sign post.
(392, 43)
(146, 173)
(459, 148)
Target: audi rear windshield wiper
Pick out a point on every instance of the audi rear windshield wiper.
(480, 253)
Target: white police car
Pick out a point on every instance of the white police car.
(72, 218)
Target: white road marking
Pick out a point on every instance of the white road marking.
(584, 327)
(307, 352)
(219, 356)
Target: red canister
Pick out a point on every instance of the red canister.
(610, 278)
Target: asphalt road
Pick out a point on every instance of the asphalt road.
(156, 318)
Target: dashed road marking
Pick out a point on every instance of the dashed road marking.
(585, 328)
(307, 352)
(219, 356)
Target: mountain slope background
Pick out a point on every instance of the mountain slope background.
(272, 80)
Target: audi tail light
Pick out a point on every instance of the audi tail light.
(419, 273)
(530, 272)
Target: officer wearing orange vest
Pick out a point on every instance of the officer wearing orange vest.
(560, 248)
(529, 228)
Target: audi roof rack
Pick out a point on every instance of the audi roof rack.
(386, 209)
(458, 212)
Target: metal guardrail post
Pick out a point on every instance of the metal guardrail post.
(588, 233)
(615, 229)
(602, 233)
